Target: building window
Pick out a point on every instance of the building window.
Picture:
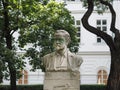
(101, 25)
(73, 0)
(24, 78)
(102, 77)
(77, 24)
(70, 0)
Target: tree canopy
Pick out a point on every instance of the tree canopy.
(8, 25)
(99, 7)
(38, 28)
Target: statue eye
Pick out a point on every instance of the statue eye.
(61, 40)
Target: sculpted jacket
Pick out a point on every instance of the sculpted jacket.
(73, 62)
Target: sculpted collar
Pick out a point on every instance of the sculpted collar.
(63, 54)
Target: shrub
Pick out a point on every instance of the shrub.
(40, 87)
(92, 87)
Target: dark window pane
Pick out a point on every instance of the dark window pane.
(78, 34)
(98, 39)
(78, 39)
(104, 22)
(74, 22)
(99, 28)
(78, 28)
(77, 22)
(104, 29)
(98, 22)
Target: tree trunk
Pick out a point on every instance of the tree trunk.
(10, 64)
(12, 79)
(114, 76)
(1, 77)
(8, 37)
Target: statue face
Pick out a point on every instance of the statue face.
(59, 43)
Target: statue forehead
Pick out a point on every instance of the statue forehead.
(58, 35)
(61, 33)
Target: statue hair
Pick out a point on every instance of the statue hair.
(63, 33)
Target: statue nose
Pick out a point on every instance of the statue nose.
(57, 42)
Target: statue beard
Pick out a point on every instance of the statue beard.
(59, 47)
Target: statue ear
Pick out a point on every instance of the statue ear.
(68, 41)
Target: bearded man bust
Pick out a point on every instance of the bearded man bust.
(61, 65)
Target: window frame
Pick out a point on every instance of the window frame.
(102, 76)
(78, 25)
(24, 78)
(101, 24)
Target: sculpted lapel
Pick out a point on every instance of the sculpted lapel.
(52, 61)
(70, 60)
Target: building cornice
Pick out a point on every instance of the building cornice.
(94, 53)
(83, 11)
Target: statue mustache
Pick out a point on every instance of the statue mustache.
(57, 44)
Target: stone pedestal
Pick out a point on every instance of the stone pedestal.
(62, 81)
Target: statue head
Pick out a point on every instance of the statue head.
(61, 39)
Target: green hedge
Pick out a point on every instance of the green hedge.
(92, 87)
(23, 87)
(40, 87)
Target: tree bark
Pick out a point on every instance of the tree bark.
(8, 37)
(114, 76)
(11, 66)
(12, 77)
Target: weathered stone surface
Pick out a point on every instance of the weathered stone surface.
(62, 66)
(61, 81)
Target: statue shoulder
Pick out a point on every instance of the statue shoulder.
(78, 58)
(75, 56)
(46, 58)
(48, 55)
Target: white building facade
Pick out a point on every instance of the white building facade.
(95, 53)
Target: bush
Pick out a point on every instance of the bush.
(29, 87)
(40, 87)
(92, 87)
(23, 87)
(4, 87)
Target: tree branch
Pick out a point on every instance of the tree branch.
(113, 29)
(13, 30)
(6, 18)
(107, 38)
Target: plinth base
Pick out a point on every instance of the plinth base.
(62, 81)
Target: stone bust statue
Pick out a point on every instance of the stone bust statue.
(62, 59)
(62, 66)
